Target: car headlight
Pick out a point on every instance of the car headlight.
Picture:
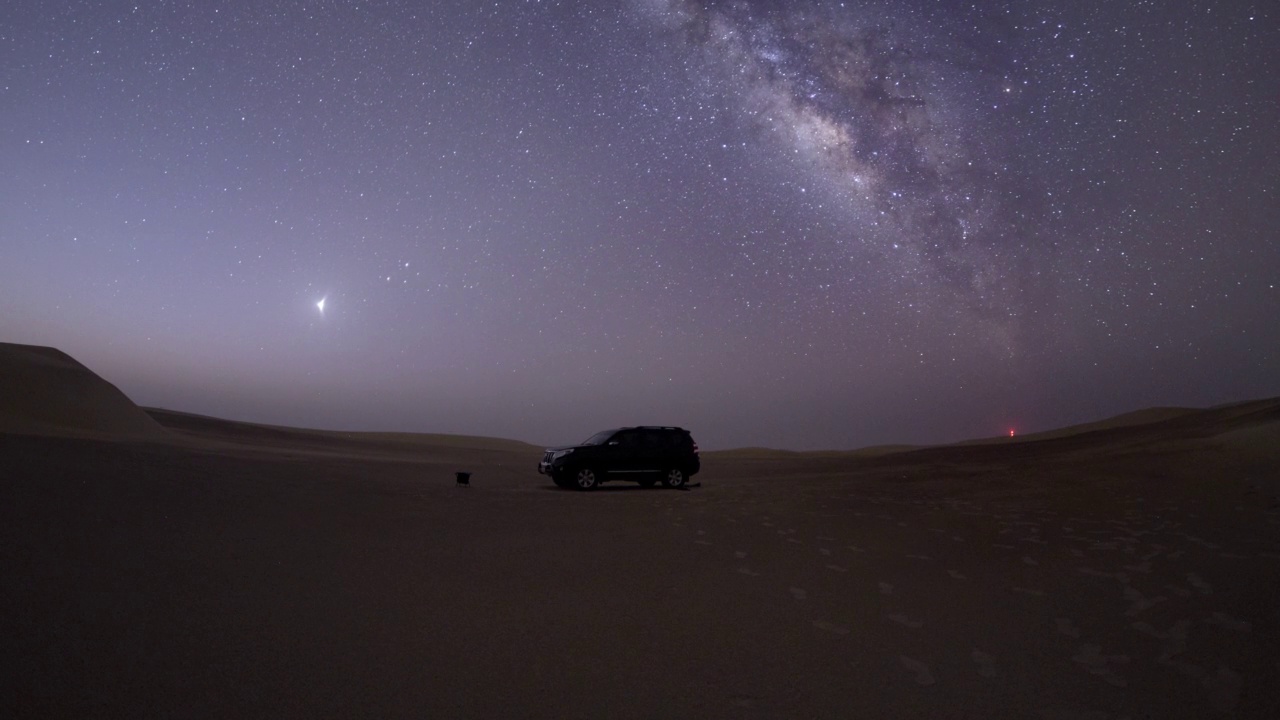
(559, 454)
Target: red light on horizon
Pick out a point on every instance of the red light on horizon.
(1010, 432)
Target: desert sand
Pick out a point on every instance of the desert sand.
(159, 564)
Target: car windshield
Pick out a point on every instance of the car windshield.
(599, 438)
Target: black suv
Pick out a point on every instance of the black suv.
(640, 454)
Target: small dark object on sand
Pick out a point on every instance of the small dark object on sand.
(464, 478)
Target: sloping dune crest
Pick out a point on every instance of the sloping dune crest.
(46, 391)
(464, 451)
(1146, 416)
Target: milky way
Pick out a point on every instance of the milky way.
(892, 121)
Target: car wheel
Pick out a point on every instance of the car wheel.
(584, 478)
(673, 478)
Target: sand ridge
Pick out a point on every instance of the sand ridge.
(43, 390)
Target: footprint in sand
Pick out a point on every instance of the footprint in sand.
(1068, 628)
(1173, 644)
(986, 663)
(1199, 584)
(831, 627)
(1098, 573)
(1227, 622)
(855, 548)
(1029, 591)
(748, 571)
(1143, 567)
(955, 575)
(904, 620)
(1028, 561)
(1224, 689)
(701, 542)
(923, 676)
(1098, 664)
(919, 557)
(837, 568)
(886, 588)
(739, 554)
(1202, 542)
(824, 551)
(799, 594)
(1139, 603)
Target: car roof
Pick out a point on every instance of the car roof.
(654, 427)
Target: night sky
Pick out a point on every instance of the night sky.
(792, 224)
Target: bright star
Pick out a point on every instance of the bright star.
(321, 304)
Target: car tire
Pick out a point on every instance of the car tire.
(585, 478)
(674, 478)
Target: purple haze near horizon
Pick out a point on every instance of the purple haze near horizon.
(799, 225)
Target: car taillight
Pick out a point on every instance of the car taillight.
(695, 448)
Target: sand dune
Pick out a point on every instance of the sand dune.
(1138, 417)
(1128, 570)
(46, 391)
(384, 445)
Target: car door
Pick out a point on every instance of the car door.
(623, 451)
(651, 456)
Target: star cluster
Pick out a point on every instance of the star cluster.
(801, 224)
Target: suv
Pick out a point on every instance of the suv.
(640, 454)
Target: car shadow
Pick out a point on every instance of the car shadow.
(629, 487)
